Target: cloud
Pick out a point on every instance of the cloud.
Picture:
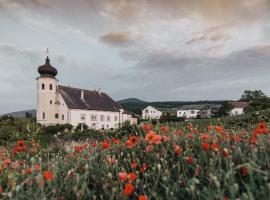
(118, 38)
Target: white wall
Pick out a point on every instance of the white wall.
(151, 113)
(46, 99)
(110, 120)
(187, 113)
(237, 111)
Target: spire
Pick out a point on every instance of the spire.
(47, 69)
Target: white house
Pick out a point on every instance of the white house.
(238, 108)
(189, 114)
(151, 113)
(57, 104)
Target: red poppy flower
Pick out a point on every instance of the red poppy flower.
(134, 164)
(164, 129)
(215, 147)
(189, 159)
(225, 152)
(105, 144)
(129, 189)
(244, 170)
(132, 176)
(142, 197)
(123, 176)
(205, 146)
(48, 175)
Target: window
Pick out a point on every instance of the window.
(51, 88)
(82, 117)
(102, 126)
(108, 118)
(56, 116)
(192, 111)
(50, 101)
(43, 115)
(107, 125)
(102, 118)
(115, 118)
(43, 86)
(93, 118)
(63, 117)
(146, 111)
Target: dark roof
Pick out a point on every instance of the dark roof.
(239, 104)
(47, 69)
(93, 100)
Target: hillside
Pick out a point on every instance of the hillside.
(22, 113)
(131, 100)
(136, 107)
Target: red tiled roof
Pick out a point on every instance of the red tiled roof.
(239, 104)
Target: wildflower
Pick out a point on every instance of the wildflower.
(157, 139)
(143, 167)
(129, 189)
(122, 176)
(205, 137)
(165, 138)
(219, 129)
(105, 144)
(132, 176)
(28, 170)
(133, 140)
(115, 141)
(147, 127)
(37, 167)
(177, 133)
(150, 137)
(134, 164)
(149, 148)
(244, 170)
(48, 175)
(79, 148)
(225, 152)
(142, 197)
(111, 160)
(164, 129)
(215, 147)
(189, 160)
(178, 150)
(94, 145)
(205, 146)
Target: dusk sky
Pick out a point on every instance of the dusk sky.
(155, 50)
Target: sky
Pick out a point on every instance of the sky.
(155, 50)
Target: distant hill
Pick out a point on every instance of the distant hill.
(22, 113)
(136, 107)
(131, 100)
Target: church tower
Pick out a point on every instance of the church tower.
(47, 86)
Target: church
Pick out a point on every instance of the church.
(58, 104)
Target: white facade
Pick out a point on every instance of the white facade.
(151, 113)
(237, 111)
(193, 113)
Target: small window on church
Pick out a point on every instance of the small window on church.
(51, 88)
(50, 101)
(43, 115)
(43, 86)
(108, 118)
(63, 117)
(56, 116)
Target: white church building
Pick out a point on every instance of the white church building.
(57, 104)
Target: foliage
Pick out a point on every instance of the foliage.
(184, 160)
(225, 109)
(250, 95)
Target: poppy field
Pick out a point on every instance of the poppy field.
(157, 162)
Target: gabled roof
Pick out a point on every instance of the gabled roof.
(239, 104)
(93, 100)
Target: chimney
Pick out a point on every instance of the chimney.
(99, 91)
(82, 94)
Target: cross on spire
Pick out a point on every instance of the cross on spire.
(47, 52)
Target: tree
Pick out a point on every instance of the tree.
(225, 108)
(250, 95)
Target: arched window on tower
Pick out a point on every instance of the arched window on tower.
(51, 87)
(43, 115)
(43, 86)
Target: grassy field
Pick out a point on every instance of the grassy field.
(190, 160)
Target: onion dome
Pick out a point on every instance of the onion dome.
(47, 69)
